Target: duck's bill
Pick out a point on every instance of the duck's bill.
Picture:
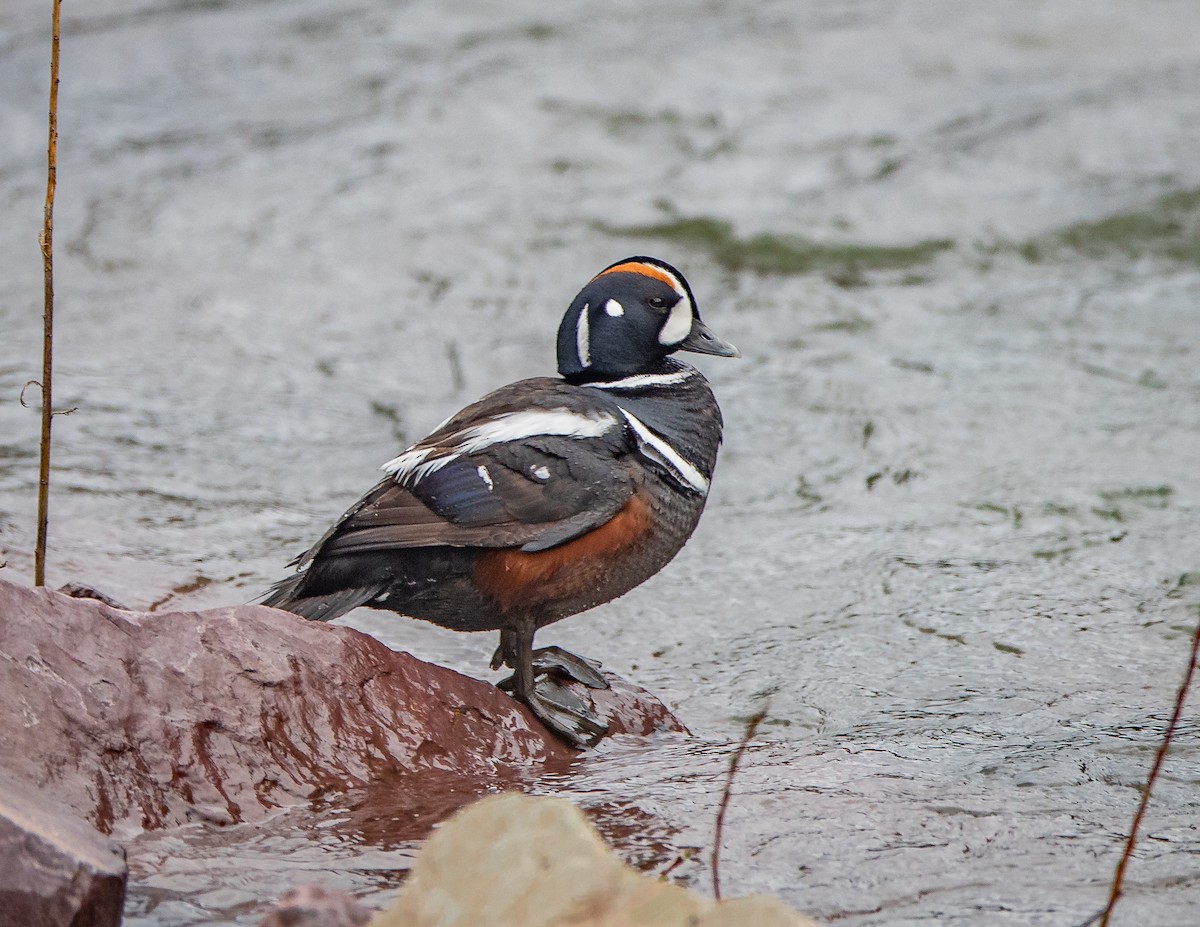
(703, 341)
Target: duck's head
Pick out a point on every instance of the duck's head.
(628, 318)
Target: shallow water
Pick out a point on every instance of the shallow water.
(953, 535)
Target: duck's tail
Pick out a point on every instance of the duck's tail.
(288, 595)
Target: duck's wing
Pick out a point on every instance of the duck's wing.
(530, 466)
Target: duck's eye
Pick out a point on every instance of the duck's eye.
(656, 302)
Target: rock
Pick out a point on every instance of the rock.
(515, 861)
(313, 906)
(54, 869)
(139, 720)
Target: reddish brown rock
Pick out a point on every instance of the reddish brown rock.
(142, 720)
(55, 871)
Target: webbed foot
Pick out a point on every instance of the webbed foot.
(538, 681)
(554, 661)
(565, 713)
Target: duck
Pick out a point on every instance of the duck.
(545, 498)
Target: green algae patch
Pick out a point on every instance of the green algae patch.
(770, 253)
(1150, 496)
(1167, 228)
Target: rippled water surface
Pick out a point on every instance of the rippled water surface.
(954, 537)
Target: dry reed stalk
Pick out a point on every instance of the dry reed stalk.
(1165, 745)
(46, 240)
(734, 762)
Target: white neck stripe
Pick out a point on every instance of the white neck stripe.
(640, 380)
(583, 346)
(662, 452)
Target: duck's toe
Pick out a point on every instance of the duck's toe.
(565, 714)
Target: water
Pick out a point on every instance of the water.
(953, 533)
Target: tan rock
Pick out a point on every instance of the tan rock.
(515, 861)
(315, 906)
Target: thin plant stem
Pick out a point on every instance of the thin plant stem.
(46, 240)
(734, 762)
(1165, 745)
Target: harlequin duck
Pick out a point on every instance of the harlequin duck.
(546, 497)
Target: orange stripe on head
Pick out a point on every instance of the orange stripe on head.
(646, 270)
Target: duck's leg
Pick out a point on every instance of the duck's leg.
(563, 712)
(550, 661)
(505, 654)
(522, 663)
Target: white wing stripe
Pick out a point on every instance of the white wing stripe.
(413, 465)
(408, 461)
(514, 426)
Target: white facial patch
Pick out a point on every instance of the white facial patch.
(583, 338)
(656, 448)
(679, 323)
(614, 308)
(419, 461)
